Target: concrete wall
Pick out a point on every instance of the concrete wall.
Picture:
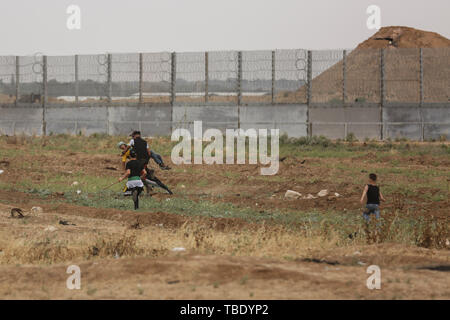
(405, 114)
(21, 120)
(151, 121)
(290, 119)
(346, 114)
(73, 120)
(219, 117)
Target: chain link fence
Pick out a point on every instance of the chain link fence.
(327, 74)
(290, 76)
(362, 74)
(30, 74)
(8, 79)
(324, 77)
(222, 77)
(156, 78)
(61, 79)
(402, 75)
(436, 75)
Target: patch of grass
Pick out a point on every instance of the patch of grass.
(244, 280)
(91, 291)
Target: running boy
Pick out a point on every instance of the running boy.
(373, 194)
(134, 172)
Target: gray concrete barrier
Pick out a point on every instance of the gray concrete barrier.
(401, 121)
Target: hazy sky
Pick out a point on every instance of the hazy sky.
(31, 26)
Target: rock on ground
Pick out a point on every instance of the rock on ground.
(290, 194)
(36, 210)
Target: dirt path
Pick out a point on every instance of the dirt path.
(218, 277)
(338, 273)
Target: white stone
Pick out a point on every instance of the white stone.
(290, 194)
(177, 249)
(323, 193)
(37, 210)
(78, 191)
(309, 196)
(1, 171)
(337, 195)
(75, 183)
(50, 229)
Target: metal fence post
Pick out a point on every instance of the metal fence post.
(423, 130)
(421, 93)
(344, 76)
(308, 92)
(206, 76)
(239, 88)
(382, 92)
(141, 78)
(109, 81)
(421, 76)
(44, 91)
(17, 79)
(77, 84)
(173, 77)
(239, 78)
(273, 78)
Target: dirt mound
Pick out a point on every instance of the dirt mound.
(404, 37)
(401, 69)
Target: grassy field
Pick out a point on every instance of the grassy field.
(227, 213)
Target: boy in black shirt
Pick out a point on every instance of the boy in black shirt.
(134, 170)
(373, 194)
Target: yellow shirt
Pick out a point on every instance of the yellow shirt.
(126, 155)
(124, 159)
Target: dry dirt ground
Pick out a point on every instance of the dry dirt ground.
(127, 254)
(337, 273)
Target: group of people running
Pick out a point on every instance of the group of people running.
(135, 159)
(137, 154)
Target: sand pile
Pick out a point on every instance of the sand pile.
(402, 69)
(404, 37)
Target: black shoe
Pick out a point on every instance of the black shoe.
(165, 167)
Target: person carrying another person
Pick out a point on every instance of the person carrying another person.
(150, 180)
(143, 151)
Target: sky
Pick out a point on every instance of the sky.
(40, 26)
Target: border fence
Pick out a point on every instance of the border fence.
(375, 93)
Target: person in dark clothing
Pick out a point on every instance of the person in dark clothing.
(144, 154)
(152, 180)
(140, 146)
(134, 171)
(374, 196)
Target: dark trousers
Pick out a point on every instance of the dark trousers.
(157, 158)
